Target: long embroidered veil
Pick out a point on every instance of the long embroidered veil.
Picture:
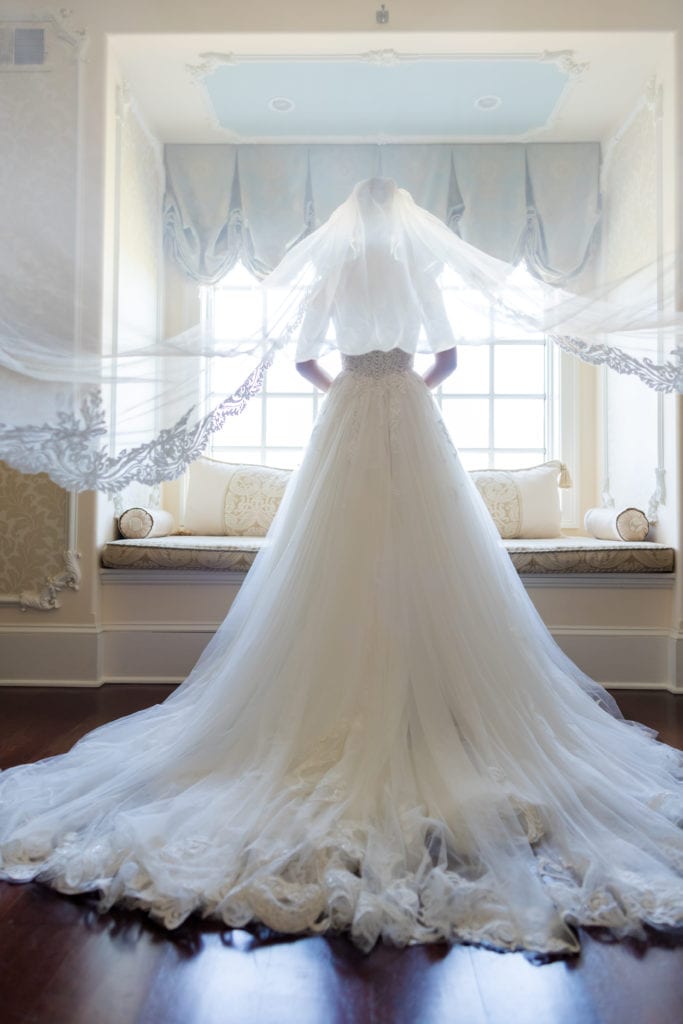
(98, 411)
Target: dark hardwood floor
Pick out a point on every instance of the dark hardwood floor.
(62, 963)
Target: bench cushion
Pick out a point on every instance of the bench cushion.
(531, 556)
(588, 554)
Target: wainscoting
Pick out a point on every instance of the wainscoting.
(153, 627)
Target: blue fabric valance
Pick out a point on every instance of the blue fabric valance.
(539, 202)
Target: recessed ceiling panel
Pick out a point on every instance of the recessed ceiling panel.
(347, 98)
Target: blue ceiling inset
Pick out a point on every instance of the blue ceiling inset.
(407, 98)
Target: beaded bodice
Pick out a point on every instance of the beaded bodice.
(378, 363)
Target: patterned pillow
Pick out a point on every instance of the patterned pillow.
(524, 502)
(232, 499)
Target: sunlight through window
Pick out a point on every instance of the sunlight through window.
(496, 405)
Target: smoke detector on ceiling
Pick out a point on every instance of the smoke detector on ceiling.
(281, 104)
(488, 103)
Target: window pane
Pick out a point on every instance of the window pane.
(135, 408)
(519, 369)
(518, 460)
(467, 420)
(237, 314)
(288, 421)
(472, 373)
(239, 276)
(519, 423)
(508, 332)
(284, 458)
(474, 460)
(283, 376)
(243, 429)
(282, 303)
(422, 362)
(467, 308)
(250, 456)
(520, 278)
(222, 380)
(465, 312)
(331, 363)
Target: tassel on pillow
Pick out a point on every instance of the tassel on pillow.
(137, 523)
(607, 524)
(564, 480)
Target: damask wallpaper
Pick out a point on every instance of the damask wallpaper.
(35, 563)
(42, 107)
(629, 186)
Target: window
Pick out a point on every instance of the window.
(275, 426)
(500, 406)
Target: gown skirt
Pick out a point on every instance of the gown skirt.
(381, 738)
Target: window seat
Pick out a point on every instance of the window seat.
(555, 555)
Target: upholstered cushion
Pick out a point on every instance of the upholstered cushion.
(228, 499)
(588, 555)
(232, 554)
(611, 524)
(522, 502)
(146, 522)
(559, 555)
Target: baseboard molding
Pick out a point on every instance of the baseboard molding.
(619, 658)
(153, 652)
(675, 662)
(50, 657)
(54, 684)
(83, 684)
(662, 687)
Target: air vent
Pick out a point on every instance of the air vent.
(29, 46)
(22, 48)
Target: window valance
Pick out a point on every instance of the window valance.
(539, 202)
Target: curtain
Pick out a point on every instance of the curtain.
(537, 202)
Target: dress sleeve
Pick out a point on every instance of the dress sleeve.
(314, 327)
(435, 319)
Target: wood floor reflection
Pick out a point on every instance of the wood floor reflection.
(62, 963)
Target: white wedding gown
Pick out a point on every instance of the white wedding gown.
(382, 737)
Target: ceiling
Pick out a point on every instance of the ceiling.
(387, 86)
(405, 99)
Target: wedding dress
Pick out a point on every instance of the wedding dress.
(382, 737)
